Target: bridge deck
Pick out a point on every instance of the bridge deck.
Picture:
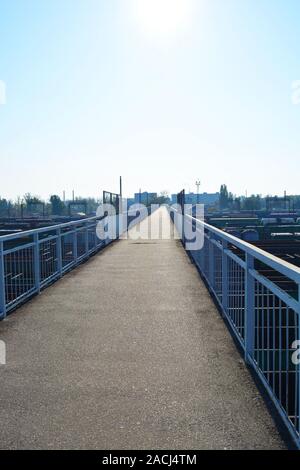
(128, 351)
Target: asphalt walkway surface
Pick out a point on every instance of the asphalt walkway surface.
(128, 351)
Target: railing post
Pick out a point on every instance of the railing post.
(86, 239)
(2, 284)
(95, 236)
(249, 309)
(224, 277)
(211, 261)
(123, 219)
(183, 229)
(202, 254)
(59, 251)
(183, 218)
(118, 226)
(37, 268)
(75, 244)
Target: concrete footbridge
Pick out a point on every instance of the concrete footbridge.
(131, 348)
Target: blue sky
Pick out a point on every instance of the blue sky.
(92, 94)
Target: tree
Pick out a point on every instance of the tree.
(237, 203)
(34, 204)
(57, 206)
(92, 205)
(4, 204)
(30, 199)
(224, 197)
(252, 203)
(162, 198)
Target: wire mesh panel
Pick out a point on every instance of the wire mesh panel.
(18, 274)
(198, 258)
(81, 243)
(276, 330)
(48, 259)
(206, 257)
(216, 276)
(67, 249)
(236, 297)
(31, 260)
(92, 241)
(259, 295)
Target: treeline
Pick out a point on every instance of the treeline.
(55, 206)
(256, 202)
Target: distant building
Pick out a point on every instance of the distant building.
(145, 198)
(204, 198)
(130, 201)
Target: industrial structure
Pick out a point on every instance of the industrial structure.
(208, 199)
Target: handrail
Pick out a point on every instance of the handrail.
(262, 315)
(28, 267)
(49, 228)
(284, 267)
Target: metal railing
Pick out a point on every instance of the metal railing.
(31, 260)
(259, 295)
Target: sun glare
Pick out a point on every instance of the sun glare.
(162, 18)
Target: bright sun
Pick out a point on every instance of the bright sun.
(162, 18)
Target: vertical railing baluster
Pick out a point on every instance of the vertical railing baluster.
(59, 251)
(211, 263)
(95, 236)
(117, 225)
(75, 245)
(183, 219)
(249, 308)
(2, 283)
(86, 239)
(37, 269)
(202, 254)
(224, 277)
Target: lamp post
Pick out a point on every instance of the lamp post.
(198, 184)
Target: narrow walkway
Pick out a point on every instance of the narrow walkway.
(128, 351)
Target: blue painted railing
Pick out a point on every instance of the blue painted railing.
(259, 295)
(31, 260)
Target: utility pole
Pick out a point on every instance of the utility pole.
(198, 184)
(120, 197)
(121, 189)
